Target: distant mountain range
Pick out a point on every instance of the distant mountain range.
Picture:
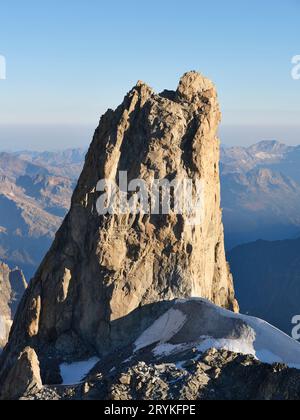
(265, 154)
(260, 197)
(66, 163)
(35, 193)
(261, 201)
(260, 192)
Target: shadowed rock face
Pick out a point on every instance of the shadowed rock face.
(12, 287)
(101, 269)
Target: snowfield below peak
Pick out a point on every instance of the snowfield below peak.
(74, 373)
(166, 326)
(197, 323)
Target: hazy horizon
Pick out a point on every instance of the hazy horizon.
(60, 137)
(67, 62)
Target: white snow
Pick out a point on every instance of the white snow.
(74, 373)
(257, 338)
(163, 329)
(270, 344)
(167, 348)
(236, 346)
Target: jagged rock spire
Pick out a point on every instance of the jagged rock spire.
(87, 295)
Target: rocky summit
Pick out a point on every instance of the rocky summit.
(97, 289)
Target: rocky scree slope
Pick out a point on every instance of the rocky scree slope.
(170, 361)
(214, 375)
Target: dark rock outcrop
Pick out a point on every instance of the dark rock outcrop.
(215, 375)
(169, 361)
(24, 377)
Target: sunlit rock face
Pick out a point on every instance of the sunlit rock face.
(86, 295)
(12, 287)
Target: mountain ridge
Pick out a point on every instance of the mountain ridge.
(34, 200)
(260, 192)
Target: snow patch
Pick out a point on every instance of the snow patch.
(167, 349)
(270, 344)
(162, 330)
(74, 373)
(267, 356)
(235, 346)
(260, 339)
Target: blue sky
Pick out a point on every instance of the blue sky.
(68, 61)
